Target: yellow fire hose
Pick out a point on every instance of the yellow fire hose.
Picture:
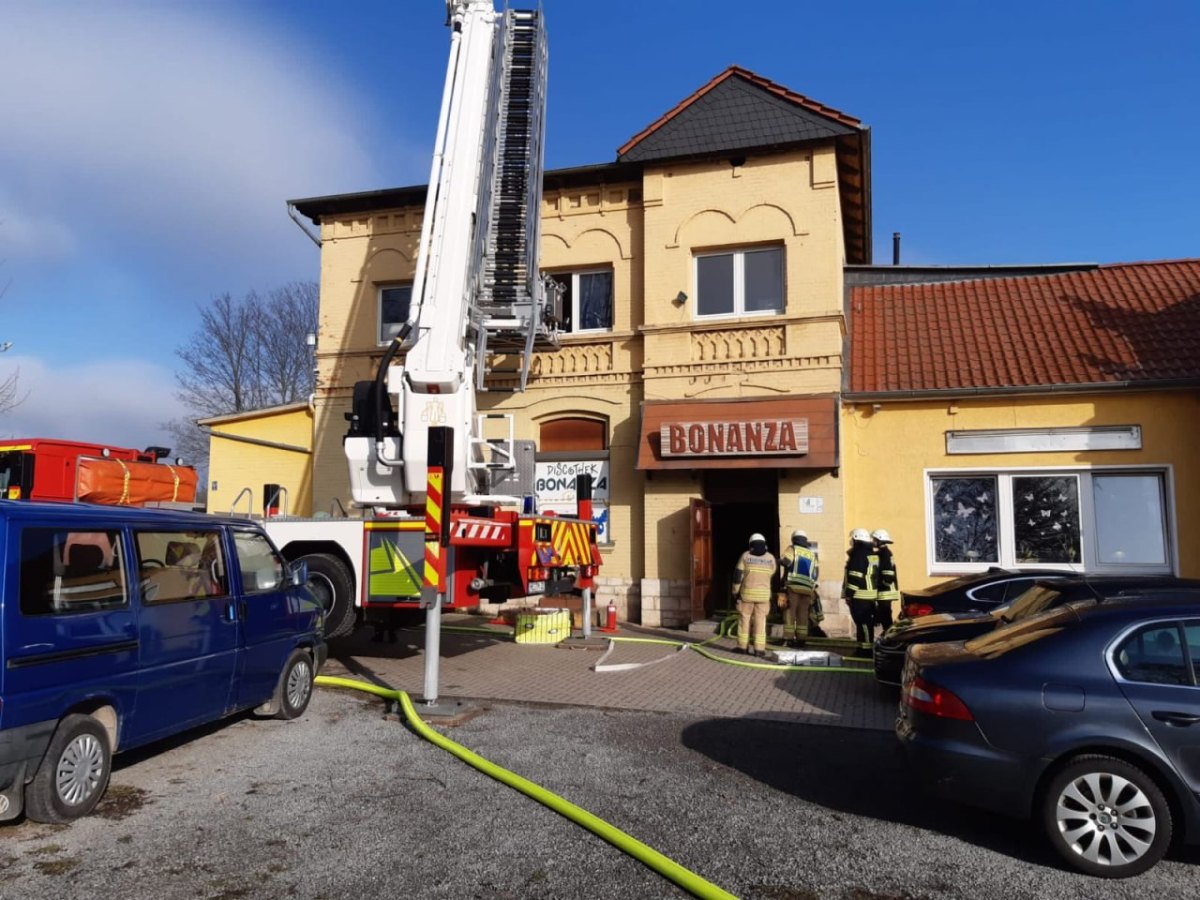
(723, 631)
(669, 869)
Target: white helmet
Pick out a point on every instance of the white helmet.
(757, 537)
(800, 533)
(861, 534)
(881, 536)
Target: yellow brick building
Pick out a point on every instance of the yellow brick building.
(1026, 417)
(250, 449)
(702, 351)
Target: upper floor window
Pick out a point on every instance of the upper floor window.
(394, 303)
(739, 282)
(587, 300)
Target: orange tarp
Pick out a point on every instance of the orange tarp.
(122, 483)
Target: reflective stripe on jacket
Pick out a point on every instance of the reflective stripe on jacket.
(752, 580)
(889, 587)
(862, 569)
(800, 563)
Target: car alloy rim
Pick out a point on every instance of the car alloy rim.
(322, 589)
(299, 683)
(1106, 819)
(79, 769)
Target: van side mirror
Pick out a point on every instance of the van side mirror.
(298, 571)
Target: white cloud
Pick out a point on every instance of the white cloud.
(33, 236)
(182, 124)
(116, 401)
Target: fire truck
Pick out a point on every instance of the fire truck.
(477, 296)
(50, 469)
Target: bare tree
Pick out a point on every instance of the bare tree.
(10, 395)
(246, 354)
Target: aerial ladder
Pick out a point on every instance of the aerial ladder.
(478, 295)
(479, 307)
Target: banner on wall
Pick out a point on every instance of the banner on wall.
(554, 485)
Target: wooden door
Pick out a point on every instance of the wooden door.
(701, 562)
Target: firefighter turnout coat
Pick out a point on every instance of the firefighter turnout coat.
(754, 576)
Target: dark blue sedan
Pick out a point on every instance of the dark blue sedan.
(1086, 717)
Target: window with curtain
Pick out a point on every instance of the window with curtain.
(395, 301)
(587, 300)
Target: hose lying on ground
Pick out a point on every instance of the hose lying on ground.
(723, 631)
(668, 868)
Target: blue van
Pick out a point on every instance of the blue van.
(122, 626)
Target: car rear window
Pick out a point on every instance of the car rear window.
(1155, 655)
(954, 584)
(64, 572)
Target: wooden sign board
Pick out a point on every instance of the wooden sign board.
(759, 437)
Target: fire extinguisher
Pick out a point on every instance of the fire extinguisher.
(610, 618)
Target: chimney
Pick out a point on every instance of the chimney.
(895, 248)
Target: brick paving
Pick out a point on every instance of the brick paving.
(485, 667)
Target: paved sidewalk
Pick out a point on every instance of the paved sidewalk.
(485, 667)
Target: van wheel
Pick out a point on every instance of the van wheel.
(295, 685)
(73, 774)
(333, 587)
(1106, 817)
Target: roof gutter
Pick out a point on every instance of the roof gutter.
(1030, 390)
(296, 218)
(258, 442)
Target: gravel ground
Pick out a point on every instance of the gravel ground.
(347, 802)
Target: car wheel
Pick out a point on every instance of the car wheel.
(295, 686)
(1106, 817)
(73, 774)
(333, 586)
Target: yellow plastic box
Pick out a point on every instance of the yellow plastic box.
(543, 626)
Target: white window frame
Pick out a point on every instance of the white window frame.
(576, 317)
(1088, 533)
(739, 283)
(381, 341)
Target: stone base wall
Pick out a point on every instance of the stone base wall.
(625, 596)
(666, 603)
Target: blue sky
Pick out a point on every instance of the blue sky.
(147, 149)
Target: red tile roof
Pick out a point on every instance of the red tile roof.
(1115, 324)
(778, 89)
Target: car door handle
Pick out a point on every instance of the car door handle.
(1175, 718)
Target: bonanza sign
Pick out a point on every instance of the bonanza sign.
(762, 437)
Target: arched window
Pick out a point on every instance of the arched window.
(573, 434)
(568, 447)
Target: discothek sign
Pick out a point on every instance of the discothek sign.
(554, 485)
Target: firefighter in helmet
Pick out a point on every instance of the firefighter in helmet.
(799, 577)
(889, 587)
(752, 582)
(859, 585)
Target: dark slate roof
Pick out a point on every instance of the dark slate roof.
(1130, 324)
(736, 110)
